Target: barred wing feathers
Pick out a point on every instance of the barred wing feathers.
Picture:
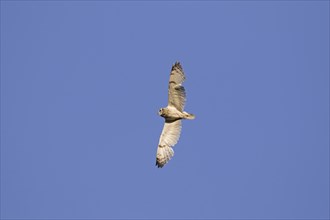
(176, 92)
(169, 137)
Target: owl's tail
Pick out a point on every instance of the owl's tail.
(188, 116)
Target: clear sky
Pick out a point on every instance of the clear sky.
(82, 82)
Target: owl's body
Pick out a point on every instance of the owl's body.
(172, 114)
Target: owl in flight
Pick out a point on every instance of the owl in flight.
(172, 114)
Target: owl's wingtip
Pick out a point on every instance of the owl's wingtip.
(164, 154)
(177, 64)
(159, 165)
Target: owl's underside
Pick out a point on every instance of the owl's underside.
(173, 114)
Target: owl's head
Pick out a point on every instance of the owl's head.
(161, 112)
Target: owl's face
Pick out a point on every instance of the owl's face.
(161, 112)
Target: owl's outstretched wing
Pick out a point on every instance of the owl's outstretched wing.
(176, 92)
(169, 137)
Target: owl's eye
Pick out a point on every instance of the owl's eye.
(160, 110)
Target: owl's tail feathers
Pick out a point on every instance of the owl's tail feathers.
(164, 154)
(189, 116)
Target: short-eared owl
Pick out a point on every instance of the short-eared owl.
(173, 114)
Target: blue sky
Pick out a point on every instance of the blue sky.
(82, 81)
